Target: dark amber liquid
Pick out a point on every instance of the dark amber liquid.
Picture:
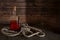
(14, 25)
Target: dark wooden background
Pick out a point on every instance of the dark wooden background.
(44, 11)
(37, 11)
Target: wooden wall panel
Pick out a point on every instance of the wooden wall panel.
(48, 11)
(6, 9)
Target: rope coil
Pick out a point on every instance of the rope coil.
(24, 30)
